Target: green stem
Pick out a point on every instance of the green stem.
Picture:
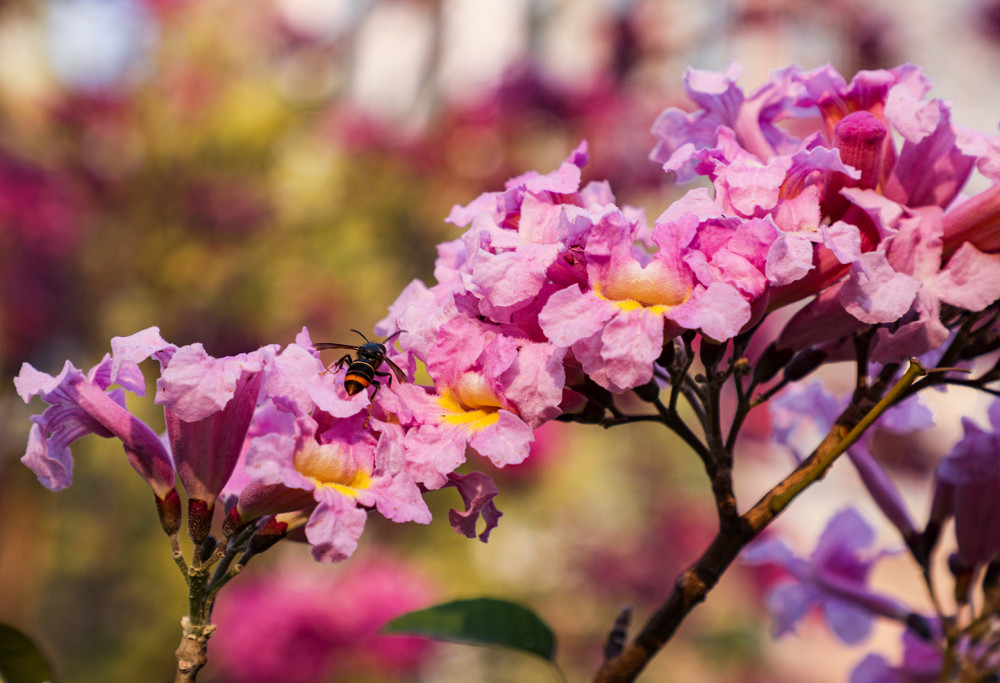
(178, 556)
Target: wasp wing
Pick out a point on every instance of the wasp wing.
(330, 345)
(398, 371)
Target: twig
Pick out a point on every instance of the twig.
(692, 586)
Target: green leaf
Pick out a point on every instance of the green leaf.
(20, 659)
(483, 621)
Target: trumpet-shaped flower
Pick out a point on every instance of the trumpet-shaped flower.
(971, 475)
(81, 404)
(338, 471)
(468, 415)
(208, 403)
(833, 579)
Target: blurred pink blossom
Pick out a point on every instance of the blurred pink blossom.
(300, 625)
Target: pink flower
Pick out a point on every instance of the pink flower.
(845, 199)
(301, 625)
(336, 471)
(208, 403)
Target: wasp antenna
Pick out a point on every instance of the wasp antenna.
(393, 336)
(362, 336)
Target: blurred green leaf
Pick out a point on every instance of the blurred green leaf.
(482, 621)
(20, 659)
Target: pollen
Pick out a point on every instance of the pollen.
(328, 465)
(655, 287)
(475, 407)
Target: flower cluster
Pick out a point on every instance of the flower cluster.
(551, 279)
(296, 429)
(554, 293)
(840, 198)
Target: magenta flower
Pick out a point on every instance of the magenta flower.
(833, 579)
(565, 277)
(267, 419)
(299, 625)
(208, 404)
(444, 424)
(477, 491)
(520, 239)
(906, 284)
(615, 323)
(299, 458)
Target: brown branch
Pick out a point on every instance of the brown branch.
(692, 586)
(192, 653)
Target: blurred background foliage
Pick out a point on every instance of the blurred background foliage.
(231, 171)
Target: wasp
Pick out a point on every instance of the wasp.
(362, 371)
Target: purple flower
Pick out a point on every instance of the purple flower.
(724, 106)
(797, 407)
(922, 663)
(969, 478)
(833, 579)
(81, 404)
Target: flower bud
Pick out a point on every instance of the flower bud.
(667, 356)
(649, 392)
(199, 519)
(963, 577)
(803, 363)
(770, 362)
(169, 510)
(208, 547)
(268, 533)
(233, 523)
(711, 352)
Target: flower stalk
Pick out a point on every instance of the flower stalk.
(693, 585)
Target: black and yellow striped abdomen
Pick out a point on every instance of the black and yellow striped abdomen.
(359, 376)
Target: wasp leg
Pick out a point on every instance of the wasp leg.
(337, 365)
(371, 401)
